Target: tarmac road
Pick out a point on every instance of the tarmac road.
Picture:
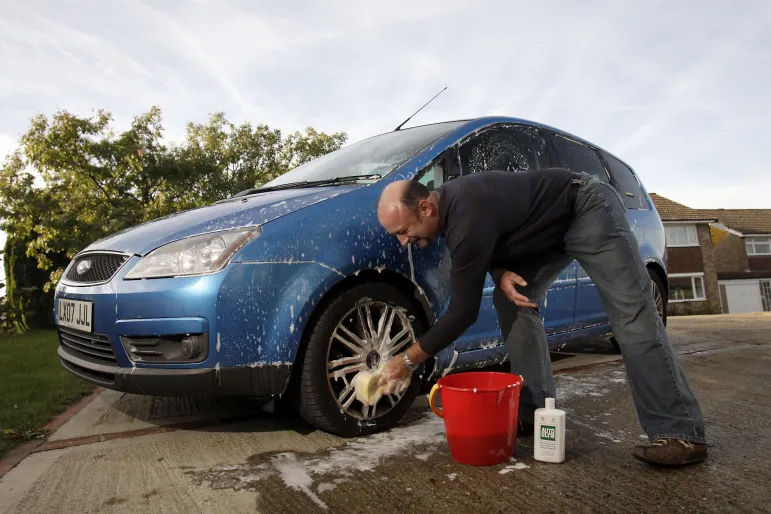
(125, 453)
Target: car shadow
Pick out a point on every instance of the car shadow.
(242, 415)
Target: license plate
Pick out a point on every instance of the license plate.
(76, 314)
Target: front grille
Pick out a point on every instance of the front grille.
(93, 347)
(102, 267)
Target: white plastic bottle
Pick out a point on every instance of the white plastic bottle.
(549, 440)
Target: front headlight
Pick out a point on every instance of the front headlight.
(197, 255)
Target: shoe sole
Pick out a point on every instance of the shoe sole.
(693, 460)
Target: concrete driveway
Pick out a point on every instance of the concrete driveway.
(125, 453)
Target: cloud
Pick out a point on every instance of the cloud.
(678, 90)
(7, 145)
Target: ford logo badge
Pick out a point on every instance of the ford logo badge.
(83, 266)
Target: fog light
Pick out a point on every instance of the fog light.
(191, 347)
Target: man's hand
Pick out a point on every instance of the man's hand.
(509, 280)
(394, 375)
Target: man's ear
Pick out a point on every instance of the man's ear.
(426, 207)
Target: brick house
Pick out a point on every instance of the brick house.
(719, 260)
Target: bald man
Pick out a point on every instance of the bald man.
(525, 228)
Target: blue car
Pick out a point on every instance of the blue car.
(293, 288)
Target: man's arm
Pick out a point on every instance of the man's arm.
(471, 246)
(471, 255)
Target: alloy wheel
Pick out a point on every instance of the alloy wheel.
(659, 300)
(367, 337)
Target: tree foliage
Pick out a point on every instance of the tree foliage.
(74, 180)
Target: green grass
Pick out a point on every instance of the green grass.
(34, 386)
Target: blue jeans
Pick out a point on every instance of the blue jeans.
(600, 239)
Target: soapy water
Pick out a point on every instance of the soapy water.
(510, 468)
(296, 476)
(357, 455)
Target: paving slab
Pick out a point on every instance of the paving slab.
(275, 463)
(114, 412)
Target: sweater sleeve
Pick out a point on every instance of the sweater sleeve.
(471, 246)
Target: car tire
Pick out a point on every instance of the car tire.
(316, 396)
(660, 297)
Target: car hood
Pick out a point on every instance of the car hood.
(235, 213)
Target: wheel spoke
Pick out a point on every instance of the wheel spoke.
(370, 324)
(365, 411)
(374, 409)
(384, 335)
(347, 396)
(394, 399)
(397, 337)
(345, 361)
(384, 327)
(356, 345)
(400, 343)
(361, 366)
(363, 324)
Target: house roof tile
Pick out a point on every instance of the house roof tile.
(747, 221)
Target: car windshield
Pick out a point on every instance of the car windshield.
(377, 155)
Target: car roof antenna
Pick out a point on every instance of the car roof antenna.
(408, 119)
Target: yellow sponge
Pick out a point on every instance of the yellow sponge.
(368, 391)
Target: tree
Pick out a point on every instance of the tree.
(221, 159)
(93, 182)
(14, 306)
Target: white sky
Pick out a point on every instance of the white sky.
(680, 90)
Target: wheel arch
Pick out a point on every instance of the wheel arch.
(405, 286)
(659, 270)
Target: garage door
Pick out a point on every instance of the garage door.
(744, 297)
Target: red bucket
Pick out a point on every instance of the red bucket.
(480, 415)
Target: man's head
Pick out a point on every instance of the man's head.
(409, 211)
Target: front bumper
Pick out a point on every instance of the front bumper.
(258, 381)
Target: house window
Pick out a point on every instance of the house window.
(758, 245)
(681, 235)
(686, 287)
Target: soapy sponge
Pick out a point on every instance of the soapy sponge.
(368, 392)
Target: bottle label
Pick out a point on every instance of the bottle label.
(548, 440)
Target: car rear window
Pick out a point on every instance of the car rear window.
(579, 158)
(626, 183)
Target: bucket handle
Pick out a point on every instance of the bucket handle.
(431, 397)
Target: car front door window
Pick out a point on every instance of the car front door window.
(513, 149)
(433, 177)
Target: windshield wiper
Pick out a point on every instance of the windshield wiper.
(307, 183)
(254, 190)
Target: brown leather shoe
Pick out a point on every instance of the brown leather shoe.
(671, 452)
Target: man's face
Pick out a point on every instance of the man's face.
(420, 228)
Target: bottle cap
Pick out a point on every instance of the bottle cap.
(550, 403)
